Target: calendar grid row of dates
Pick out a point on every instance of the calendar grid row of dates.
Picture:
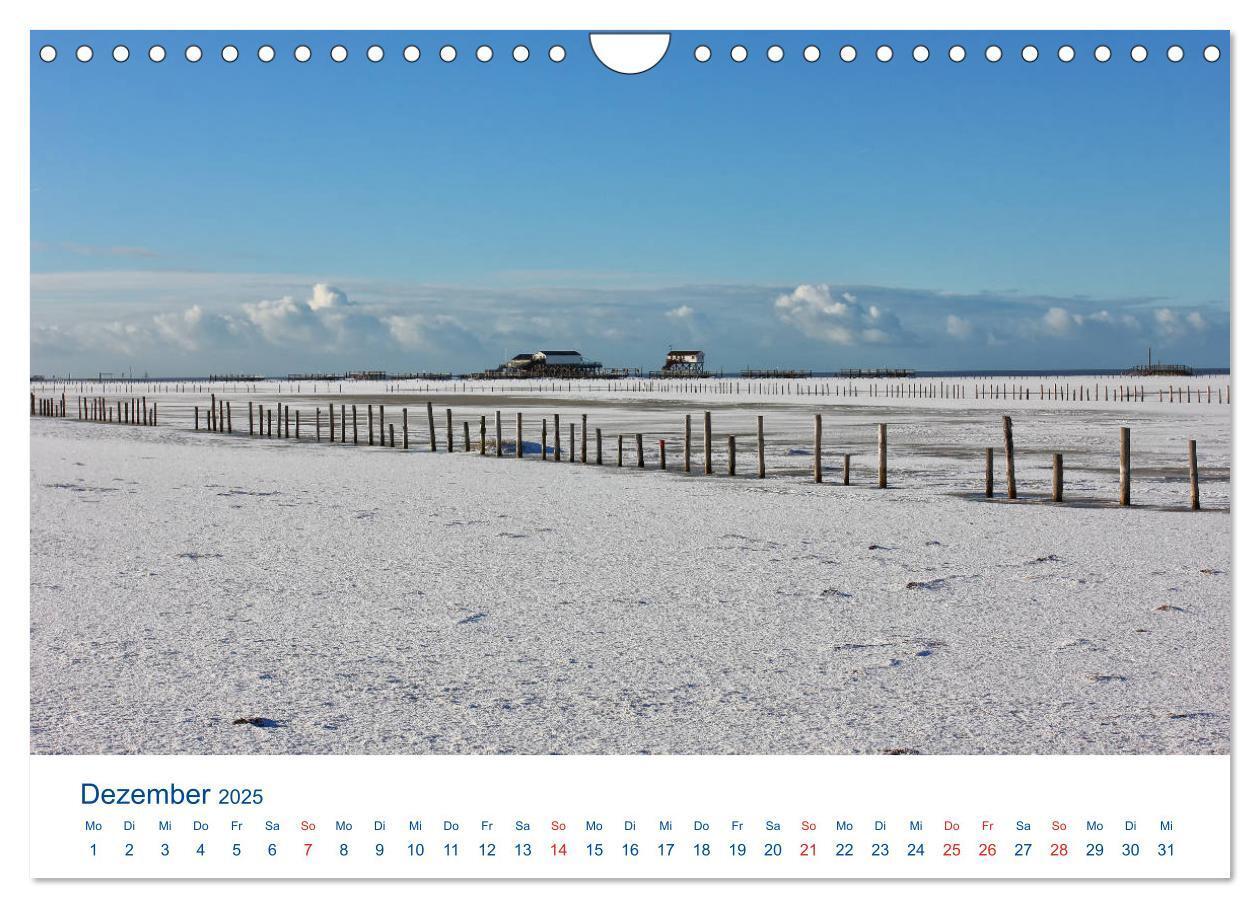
(445, 840)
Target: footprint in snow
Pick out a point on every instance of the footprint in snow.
(473, 619)
(258, 722)
(1166, 607)
(936, 584)
(1104, 679)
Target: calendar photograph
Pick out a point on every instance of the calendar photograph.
(707, 393)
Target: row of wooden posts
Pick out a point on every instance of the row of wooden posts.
(285, 422)
(897, 389)
(135, 411)
(1056, 468)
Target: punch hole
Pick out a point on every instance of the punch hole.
(774, 53)
(485, 53)
(556, 53)
(192, 53)
(266, 53)
(848, 53)
(629, 53)
(920, 53)
(811, 54)
(302, 53)
(447, 53)
(958, 53)
(83, 54)
(520, 53)
(48, 53)
(1138, 53)
(1175, 54)
(157, 53)
(1067, 53)
(339, 54)
(1029, 53)
(121, 53)
(883, 53)
(739, 53)
(375, 53)
(1211, 53)
(229, 53)
(1102, 53)
(411, 53)
(993, 53)
(703, 54)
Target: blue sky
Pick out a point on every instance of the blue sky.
(195, 217)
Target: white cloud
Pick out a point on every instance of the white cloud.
(1059, 321)
(957, 327)
(681, 313)
(812, 310)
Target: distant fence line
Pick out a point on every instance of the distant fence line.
(283, 421)
(894, 389)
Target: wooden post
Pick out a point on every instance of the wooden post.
(817, 447)
(883, 455)
(556, 426)
(371, 433)
(988, 472)
(406, 431)
(1194, 475)
(638, 447)
(391, 434)
(661, 442)
(1056, 478)
(381, 422)
(1008, 445)
(286, 420)
(599, 446)
(297, 423)
(229, 416)
(450, 432)
(1124, 466)
(498, 434)
(319, 435)
(687, 444)
(583, 438)
(544, 438)
(730, 455)
(354, 418)
(846, 469)
(155, 413)
(520, 436)
(251, 417)
(761, 450)
(620, 449)
(433, 431)
(196, 419)
(708, 443)
(483, 436)
(467, 439)
(572, 443)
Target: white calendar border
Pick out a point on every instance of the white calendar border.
(648, 14)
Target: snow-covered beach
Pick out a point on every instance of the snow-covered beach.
(371, 600)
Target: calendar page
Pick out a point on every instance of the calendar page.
(586, 453)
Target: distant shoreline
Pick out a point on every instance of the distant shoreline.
(805, 374)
